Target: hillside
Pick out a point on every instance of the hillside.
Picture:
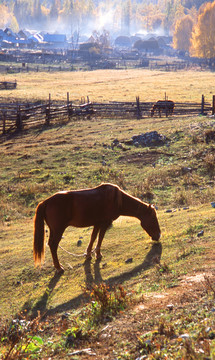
(165, 303)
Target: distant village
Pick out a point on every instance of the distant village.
(33, 47)
(85, 48)
(32, 39)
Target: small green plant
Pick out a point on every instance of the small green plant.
(194, 229)
(162, 268)
(72, 334)
(20, 339)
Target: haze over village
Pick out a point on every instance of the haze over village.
(185, 27)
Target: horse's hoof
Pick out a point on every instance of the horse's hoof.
(88, 256)
(60, 270)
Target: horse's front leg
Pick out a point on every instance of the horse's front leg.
(93, 238)
(101, 237)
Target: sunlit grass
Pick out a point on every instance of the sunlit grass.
(113, 85)
(39, 162)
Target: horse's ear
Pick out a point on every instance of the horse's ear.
(152, 207)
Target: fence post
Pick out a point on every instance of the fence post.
(69, 107)
(166, 108)
(213, 105)
(203, 105)
(48, 110)
(19, 119)
(4, 122)
(138, 107)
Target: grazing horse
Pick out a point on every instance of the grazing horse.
(167, 106)
(97, 207)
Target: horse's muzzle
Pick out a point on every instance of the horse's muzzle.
(156, 237)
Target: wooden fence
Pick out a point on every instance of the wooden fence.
(140, 109)
(18, 116)
(8, 85)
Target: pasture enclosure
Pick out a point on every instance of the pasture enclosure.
(25, 115)
(169, 286)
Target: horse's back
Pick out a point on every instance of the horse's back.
(83, 207)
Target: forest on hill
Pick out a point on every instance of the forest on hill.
(70, 14)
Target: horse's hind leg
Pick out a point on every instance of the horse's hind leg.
(54, 240)
(93, 238)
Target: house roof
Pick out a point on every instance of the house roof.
(9, 32)
(55, 38)
(38, 38)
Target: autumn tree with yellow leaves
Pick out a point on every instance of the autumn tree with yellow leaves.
(203, 37)
(7, 18)
(182, 34)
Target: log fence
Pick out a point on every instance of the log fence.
(8, 85)
(22, 116)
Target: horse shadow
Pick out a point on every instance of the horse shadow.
(41, 305)
(151, 258)
(95, 277)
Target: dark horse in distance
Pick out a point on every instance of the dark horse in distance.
(97, 207)
(166, 106)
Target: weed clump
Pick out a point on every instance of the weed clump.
(20, 339)
(106, 302)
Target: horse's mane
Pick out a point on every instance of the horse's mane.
(117, 194)
(114, 196)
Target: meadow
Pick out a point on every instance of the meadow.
(112, 85)
(160, 280)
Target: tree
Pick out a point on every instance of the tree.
(126, 17)
(203, 37)
(103, 38)
(183, 33)
(173, 11)
(55, 8)
(5, 15)
(37, 13)
(23, 12)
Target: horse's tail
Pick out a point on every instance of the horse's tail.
(39, 249)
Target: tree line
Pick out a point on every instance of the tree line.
(191, 22)
(196, 34)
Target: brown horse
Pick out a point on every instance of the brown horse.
(167, 106)
(97, 207)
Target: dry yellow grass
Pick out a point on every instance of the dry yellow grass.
(112, 85)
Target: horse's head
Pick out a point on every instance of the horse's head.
(149, 223)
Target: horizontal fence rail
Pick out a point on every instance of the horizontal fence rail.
(18, 116)
(8, 85)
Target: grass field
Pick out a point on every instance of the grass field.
(112, 85)
(161, 280)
